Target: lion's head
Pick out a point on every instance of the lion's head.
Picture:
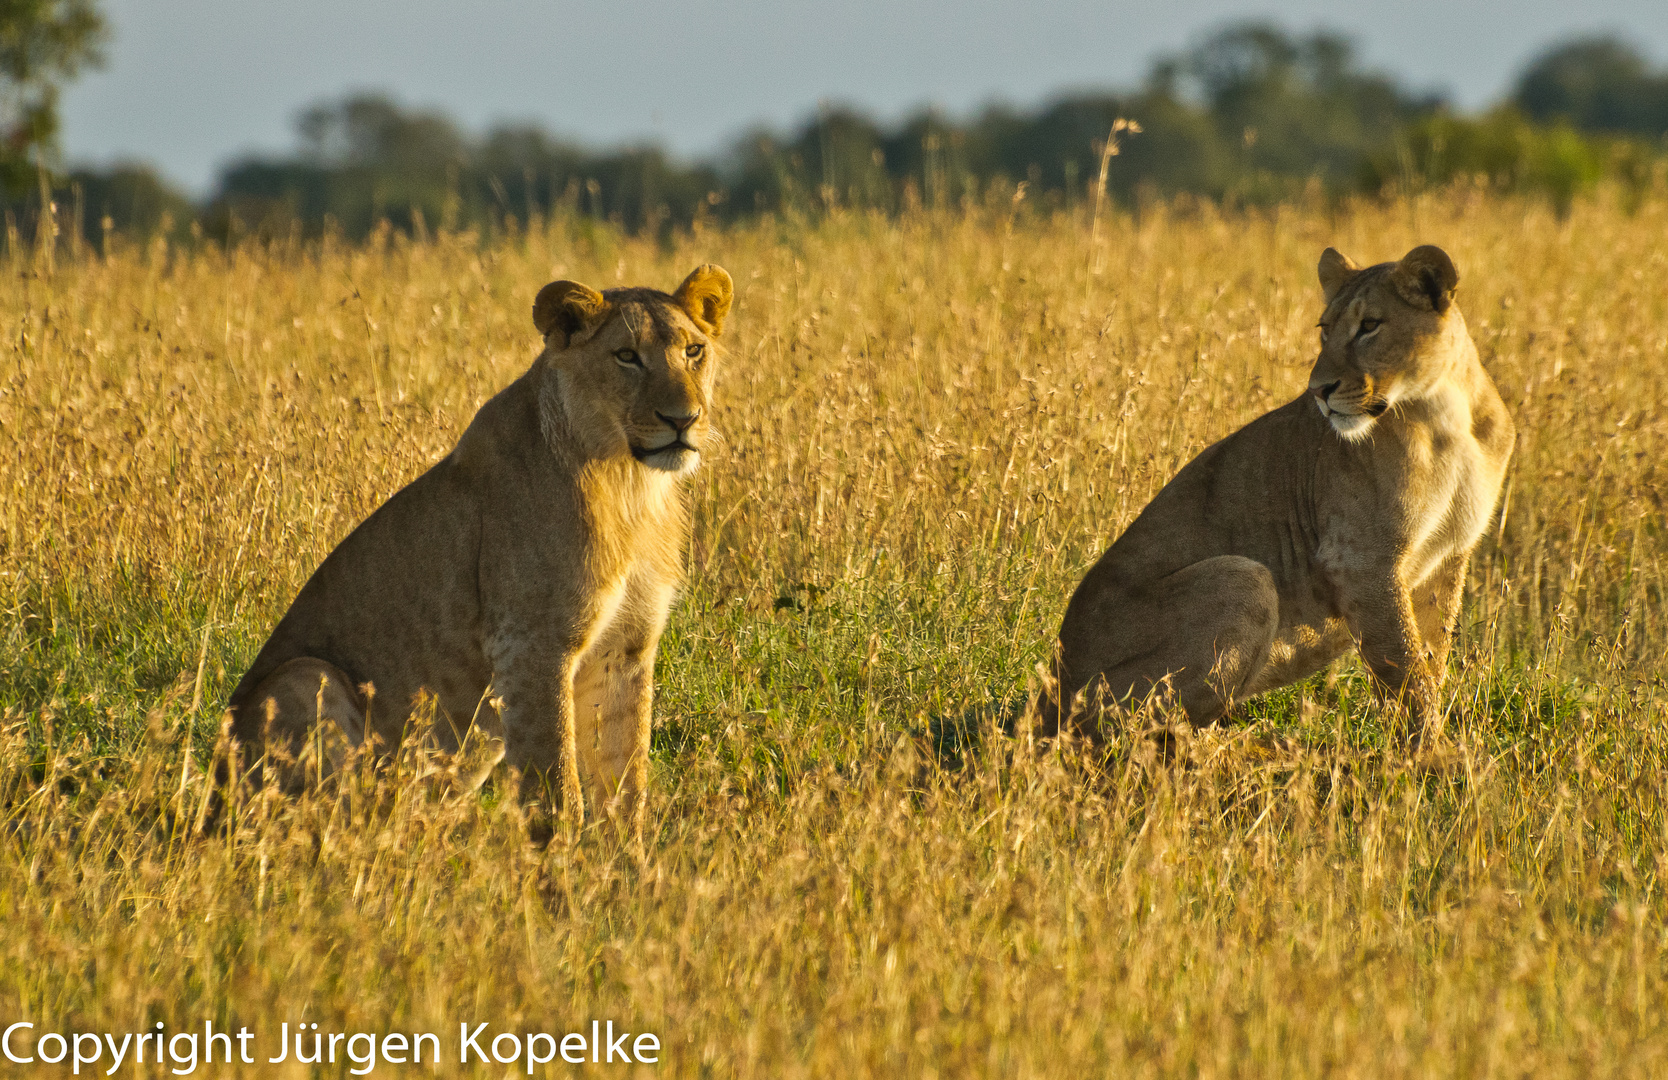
(1389, 333)
(634, 368)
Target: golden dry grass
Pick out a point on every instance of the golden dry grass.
(933, 425)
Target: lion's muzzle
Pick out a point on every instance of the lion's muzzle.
(678, 453)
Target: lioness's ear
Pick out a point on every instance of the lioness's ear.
(1335, 269)
(1426, 278)
(705, 295)
(564, 308)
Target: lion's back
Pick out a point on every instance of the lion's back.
(395, 604)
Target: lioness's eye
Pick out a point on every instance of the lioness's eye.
(1368, 326)
(628, 357)
(695, 350)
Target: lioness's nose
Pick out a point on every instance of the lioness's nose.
(679, 422)
(1324, 392)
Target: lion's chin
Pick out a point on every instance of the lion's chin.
(1352, 426)
(676, 459)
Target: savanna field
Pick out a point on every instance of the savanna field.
(856, 864)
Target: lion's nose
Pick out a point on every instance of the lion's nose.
(1324, 392)
(680, 422)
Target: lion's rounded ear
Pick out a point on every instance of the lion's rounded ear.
(705, 296)
(564, 308)
(1335, 269)
(1426, 278)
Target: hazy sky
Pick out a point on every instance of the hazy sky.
(192, 83)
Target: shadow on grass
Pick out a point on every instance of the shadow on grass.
(956, 741)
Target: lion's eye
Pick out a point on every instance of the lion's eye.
(628, 357)
(1368, 326)
(694, 351)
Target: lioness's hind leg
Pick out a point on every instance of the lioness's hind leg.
(307, 698)
(1208, 627)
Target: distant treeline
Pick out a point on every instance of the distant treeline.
(1250, 115)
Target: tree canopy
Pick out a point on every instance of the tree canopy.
(43, 43)
(1596, 84)
(1248, 113)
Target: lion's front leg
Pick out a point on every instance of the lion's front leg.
(613, 704)
(1436, 606)
(535, 685)
(1381, 619)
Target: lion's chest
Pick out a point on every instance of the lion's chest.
(1449, 502)
(1424, 496)
(633, 566)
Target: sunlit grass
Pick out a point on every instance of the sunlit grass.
(856, 863)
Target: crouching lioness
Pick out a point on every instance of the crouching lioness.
(521, 583)
(1346, 517)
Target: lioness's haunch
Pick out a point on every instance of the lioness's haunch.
(524, 580)
(1346, 516)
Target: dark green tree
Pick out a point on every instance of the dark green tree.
(1596, 84)
(361, 160)
(43, 43)
(367, 159)
(1290, 107)
(128, 197)
(838, 154)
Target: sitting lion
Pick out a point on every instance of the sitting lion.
(1347, 516)
(522, 583)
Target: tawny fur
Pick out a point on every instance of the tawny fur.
(1345, 517)
(522, 583)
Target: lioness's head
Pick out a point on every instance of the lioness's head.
(1388, 335)
(634, 367)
